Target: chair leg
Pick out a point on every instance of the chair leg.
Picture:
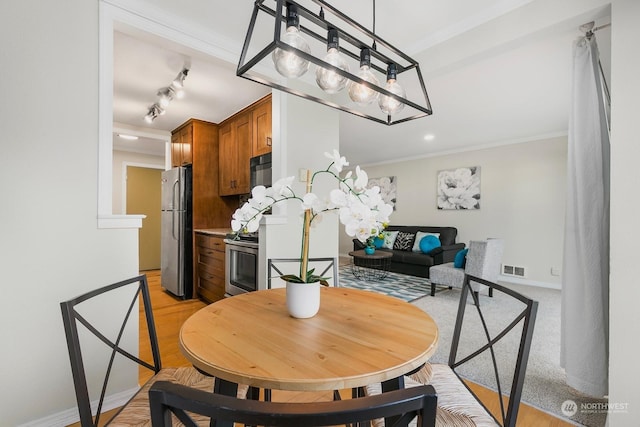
(433, 289)
(491, 292)
(477, 297)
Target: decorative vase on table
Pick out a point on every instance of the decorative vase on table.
(369, 250)
(362, 211)
(303, 299)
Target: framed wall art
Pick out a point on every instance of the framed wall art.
(388, 186)
(459, 189)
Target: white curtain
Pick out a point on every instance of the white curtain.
(585, 287)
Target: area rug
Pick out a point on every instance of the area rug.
(408, 288)
(544, 386)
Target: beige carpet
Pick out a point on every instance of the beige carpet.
(544, 385)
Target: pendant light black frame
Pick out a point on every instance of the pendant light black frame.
(403, 63)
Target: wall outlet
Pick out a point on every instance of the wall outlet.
(555, 271)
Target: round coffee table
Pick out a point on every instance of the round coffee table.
(370, 267)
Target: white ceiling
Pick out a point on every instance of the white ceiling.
(497, 72)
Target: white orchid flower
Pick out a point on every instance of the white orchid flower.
(254, 223)
(259, 193)
(362, 179)
(282, 188)
(338, 198)
(313, 202)
(338, 162)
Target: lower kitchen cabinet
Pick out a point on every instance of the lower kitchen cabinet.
(210, 262)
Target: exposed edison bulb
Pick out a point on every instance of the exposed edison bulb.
(288, 63)
(387, 104)
(328, 80)
(359, 93)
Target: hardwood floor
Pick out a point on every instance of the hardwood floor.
(170, 313)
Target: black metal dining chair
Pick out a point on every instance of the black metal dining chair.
(458, 404)
(173, 402)
(106, 315)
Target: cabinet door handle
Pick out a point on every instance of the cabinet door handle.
(268, 141)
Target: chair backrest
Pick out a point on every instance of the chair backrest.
(277, 267)
(484, 258)
(402, 405)
(76, 316)
(511, 337)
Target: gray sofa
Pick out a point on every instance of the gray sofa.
(418, 263)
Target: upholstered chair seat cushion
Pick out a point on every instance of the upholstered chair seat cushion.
(456, 405)
(137, 412)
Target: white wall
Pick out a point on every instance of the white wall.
(522, 201)
(624, 291)
(305, 131)
(122, 158)
(51, 249)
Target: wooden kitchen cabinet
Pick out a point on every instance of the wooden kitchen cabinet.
(210, 264)
(242, 136)
(182, 145)
(261, 119)
(235, 152)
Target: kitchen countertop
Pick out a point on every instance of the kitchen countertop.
(222, 232)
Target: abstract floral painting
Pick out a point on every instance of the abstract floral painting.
(459, 188)
(387, 186)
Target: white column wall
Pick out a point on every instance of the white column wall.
(306, 130)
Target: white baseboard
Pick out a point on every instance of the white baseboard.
(70, 416)
(527, 282)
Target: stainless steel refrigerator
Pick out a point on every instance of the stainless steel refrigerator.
(176, 245)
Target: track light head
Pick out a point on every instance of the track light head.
(154, 111)
(178, 82)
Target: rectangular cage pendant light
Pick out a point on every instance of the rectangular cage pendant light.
(328, 58)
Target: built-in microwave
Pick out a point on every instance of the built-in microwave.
(261, 170)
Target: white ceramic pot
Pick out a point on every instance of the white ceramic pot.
(303, 299)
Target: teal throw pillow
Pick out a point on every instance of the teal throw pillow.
(461, 259)
(429, 243)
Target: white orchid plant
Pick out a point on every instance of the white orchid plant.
(361, 210)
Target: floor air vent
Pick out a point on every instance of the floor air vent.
(513, 270)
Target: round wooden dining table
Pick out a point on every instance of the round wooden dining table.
(357, 338)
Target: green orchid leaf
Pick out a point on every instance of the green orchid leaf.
(291, 278)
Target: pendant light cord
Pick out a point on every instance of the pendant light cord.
(374, 24)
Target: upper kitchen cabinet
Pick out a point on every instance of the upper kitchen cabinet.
(182, 145)
(242, 136)
(235, 152)
(262, 127)
(199, 146)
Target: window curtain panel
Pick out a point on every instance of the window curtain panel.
(585, 288)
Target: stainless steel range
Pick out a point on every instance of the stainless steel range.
(241, 269)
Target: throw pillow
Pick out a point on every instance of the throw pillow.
(404, 241)
(389, 239)
(419, 236)
(461, 258)
(429, 243)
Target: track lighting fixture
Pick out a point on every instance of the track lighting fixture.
(154, 111)
(178, 82)
(335, 44)
(166, 95)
